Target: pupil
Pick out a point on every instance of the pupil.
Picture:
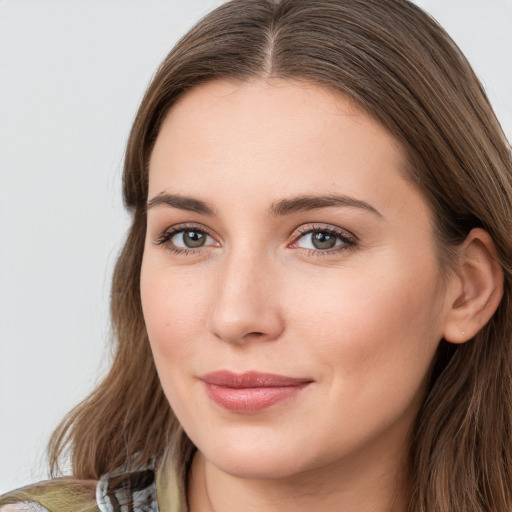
(193, 239)
(323, 240)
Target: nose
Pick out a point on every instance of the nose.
(246, 301)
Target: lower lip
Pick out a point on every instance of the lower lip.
(251, 400)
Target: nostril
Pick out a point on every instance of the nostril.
(237, 321)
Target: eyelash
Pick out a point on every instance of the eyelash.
(166, 236)
(348, 240)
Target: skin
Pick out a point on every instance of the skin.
(362, 320)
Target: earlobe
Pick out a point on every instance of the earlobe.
(477, 288)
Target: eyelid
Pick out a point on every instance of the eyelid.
(316, 226)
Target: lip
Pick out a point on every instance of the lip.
(251, 392)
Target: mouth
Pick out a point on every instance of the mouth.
(251, 392)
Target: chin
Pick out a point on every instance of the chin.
(257, 466)
(259, 458)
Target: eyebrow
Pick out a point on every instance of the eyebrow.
(182, 203)
(307, 203)
(278, 208)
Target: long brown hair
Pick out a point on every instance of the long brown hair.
(396, 63)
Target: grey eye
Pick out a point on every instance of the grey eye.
(190, 239)
(321, 240)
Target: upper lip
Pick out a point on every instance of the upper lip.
(251, 379)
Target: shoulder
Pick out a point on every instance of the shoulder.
(132, 488)
(59, 495)
(116, 491)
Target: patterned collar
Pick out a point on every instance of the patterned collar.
(141, 489)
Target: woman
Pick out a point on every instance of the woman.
(312, 305)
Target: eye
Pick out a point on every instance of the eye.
(324, 239)
(190, 239)
(185, 238)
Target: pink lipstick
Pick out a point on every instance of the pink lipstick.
(250, 392)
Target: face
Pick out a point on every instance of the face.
(290, 284)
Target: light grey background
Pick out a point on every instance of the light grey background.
(71, 75)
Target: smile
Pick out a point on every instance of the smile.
(251, 392)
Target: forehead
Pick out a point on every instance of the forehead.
(272, 137)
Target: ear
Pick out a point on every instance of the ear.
(476, 289)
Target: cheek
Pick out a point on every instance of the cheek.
(374, 339)
(381, 325)
(173, 310)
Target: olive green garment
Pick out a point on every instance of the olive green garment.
(140, 489)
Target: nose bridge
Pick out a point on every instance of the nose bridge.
(244, 306)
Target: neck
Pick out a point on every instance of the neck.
(376, 487)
